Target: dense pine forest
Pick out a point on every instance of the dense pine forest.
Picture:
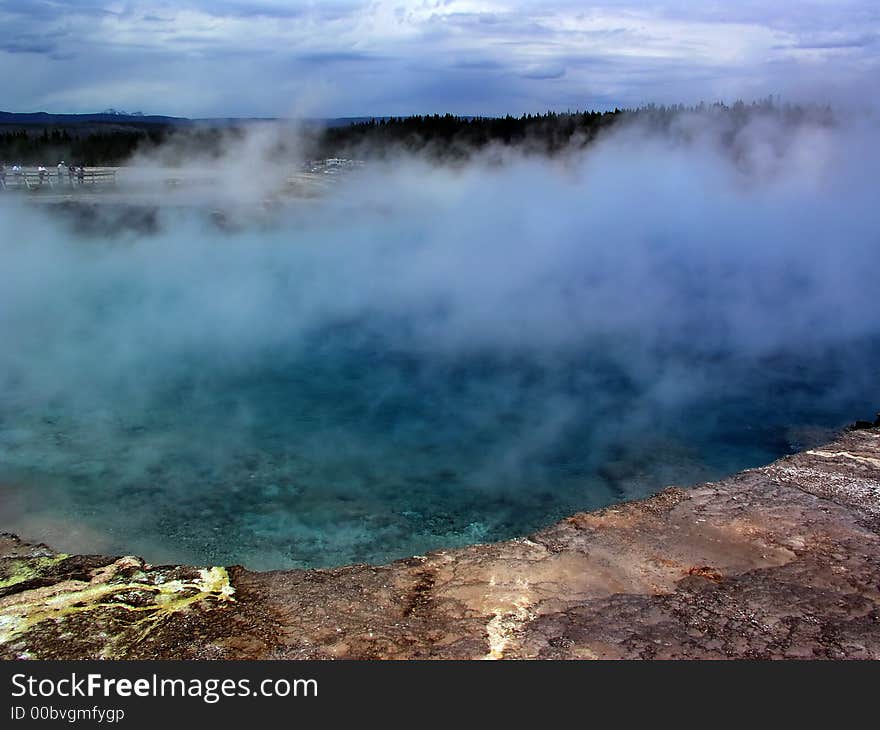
(441, 136)
(86, 146)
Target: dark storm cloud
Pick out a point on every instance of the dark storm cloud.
(330, 57)
(481, 64)
(826, 43)
(23, 46)
(255, 9)
(543, 73)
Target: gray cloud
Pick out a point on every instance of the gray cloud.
(354, 58)
(826, 42)
(541, 73)
(331, 57)
(484, 64)
(24, 46)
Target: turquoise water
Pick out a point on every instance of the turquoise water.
(334, 452)
(429, 358)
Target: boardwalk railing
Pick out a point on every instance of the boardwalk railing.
(34, 180)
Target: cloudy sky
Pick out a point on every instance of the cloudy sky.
(371, 57)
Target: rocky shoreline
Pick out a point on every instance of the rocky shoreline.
(782, 561)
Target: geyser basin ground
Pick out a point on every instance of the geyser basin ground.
(777, 562)
(428, 358)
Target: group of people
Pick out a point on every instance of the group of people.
(75, 175)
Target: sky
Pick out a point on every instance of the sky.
(209, 58)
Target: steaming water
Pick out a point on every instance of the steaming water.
(337, 453)
(426, 361)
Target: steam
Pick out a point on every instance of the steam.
(626, 304)
(227, 166)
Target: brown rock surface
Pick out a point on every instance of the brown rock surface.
(781, 561)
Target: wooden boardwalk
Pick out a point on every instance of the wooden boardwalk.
(170, 185)
(30, 179)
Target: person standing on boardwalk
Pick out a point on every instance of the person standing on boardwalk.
(81, 175)
(71, 173)
(2, 176)
(60, 173)
(42, 172)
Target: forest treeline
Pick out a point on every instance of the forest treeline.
(81, 146)
(440, 136)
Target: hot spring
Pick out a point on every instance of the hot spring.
(428, 358)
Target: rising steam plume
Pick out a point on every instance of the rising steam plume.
(430, 355)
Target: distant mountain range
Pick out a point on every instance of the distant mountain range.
(113, 116)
